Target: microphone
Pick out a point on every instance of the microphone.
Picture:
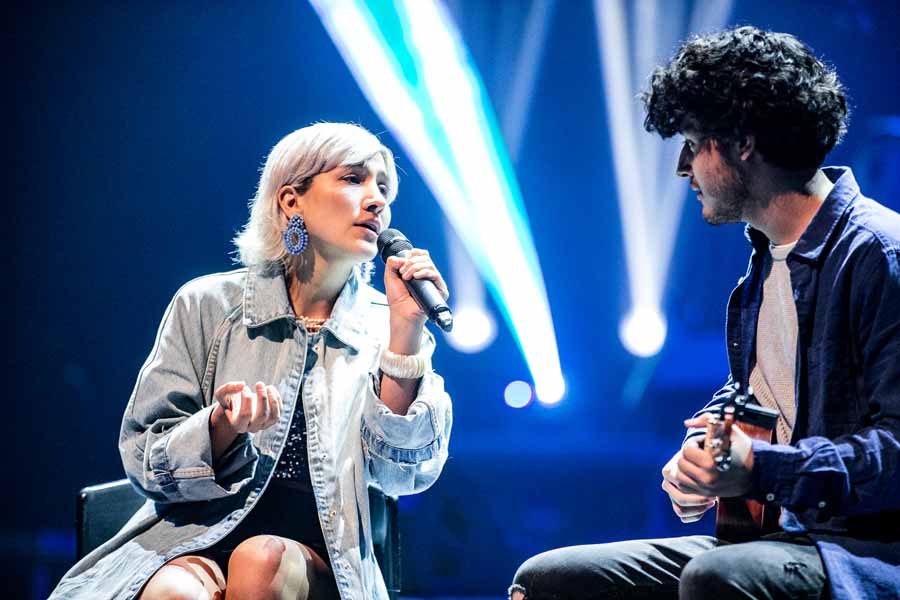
(393, 243)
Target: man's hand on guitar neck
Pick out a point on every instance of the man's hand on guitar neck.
(697, 472)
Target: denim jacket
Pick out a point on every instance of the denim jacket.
(240, 326)
(838, 480)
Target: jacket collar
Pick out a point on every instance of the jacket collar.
(823, 225)
(266, 300)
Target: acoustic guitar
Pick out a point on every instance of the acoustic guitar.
(737, 519)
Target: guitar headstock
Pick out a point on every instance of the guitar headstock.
(742, 409)
(717, 442)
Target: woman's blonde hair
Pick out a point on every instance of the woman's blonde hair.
(295, 160)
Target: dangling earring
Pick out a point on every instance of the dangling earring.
(295, 236)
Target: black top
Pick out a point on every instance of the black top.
(294, 462)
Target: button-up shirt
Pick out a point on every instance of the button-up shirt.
(838, 480)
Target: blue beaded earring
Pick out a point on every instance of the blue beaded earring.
(295, 236)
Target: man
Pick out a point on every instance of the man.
(814, 327)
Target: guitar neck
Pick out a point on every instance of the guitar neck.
(739, 520)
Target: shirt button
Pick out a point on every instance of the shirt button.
(821, 504)
(770, 497)
(332, 514)
(734, 344)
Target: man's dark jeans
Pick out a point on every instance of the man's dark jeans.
(687, 567)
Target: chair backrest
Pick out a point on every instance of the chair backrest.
(101, 511)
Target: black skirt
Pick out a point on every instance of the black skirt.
(286, 509)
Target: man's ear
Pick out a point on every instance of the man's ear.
(746, 146)
(289, 200)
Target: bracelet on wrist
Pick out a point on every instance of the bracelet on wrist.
(404, 366)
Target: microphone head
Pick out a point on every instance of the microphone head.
(390, 242)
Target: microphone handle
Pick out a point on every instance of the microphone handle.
(429, 298)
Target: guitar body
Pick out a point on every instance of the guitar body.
(739, 520)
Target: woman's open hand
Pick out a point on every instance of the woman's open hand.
(244, 410)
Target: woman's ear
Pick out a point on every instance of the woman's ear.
(289, 200)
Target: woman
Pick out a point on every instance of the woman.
(275, 394)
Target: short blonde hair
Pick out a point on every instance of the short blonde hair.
(295, 160)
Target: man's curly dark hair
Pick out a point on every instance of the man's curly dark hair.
(748, 81)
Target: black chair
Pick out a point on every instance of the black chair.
(101, 510)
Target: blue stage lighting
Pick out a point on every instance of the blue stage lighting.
(473, 329)
(517, 394)
(409, 60)
(650, 196)
(643, 331)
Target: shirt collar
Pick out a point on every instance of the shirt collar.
(823, 225)
(348, 317)
(265, 297)
(266, 300)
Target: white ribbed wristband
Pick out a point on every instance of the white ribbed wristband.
(404, 366)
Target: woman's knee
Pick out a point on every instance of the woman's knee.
(270, 566)
(176, 582)
(262, 554)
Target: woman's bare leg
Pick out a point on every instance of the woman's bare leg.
(186, 578)
(269, 567)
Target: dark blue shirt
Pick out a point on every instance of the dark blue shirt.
(838, 480)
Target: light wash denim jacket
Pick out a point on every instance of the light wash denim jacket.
(240, 326)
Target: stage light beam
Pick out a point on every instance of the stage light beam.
(410, 62)
(643, 331)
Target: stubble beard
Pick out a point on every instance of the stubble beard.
(732, 196)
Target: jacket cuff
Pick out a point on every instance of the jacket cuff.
(181, 461)
(411, 438)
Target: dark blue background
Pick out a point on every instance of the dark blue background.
(137, 133)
